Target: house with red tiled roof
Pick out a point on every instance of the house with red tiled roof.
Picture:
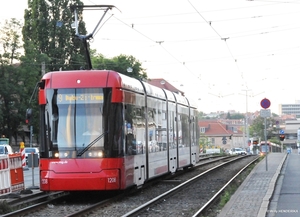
(162, 83)
(217, 134)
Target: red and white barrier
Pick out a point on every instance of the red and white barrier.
(16, 173)
(22, 151)
(5, 183)
(11, 174)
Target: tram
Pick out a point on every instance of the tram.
(101, 130)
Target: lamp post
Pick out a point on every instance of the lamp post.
(246, 118)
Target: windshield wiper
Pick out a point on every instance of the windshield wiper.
(90, 145)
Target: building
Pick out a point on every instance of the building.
(220, 135)
(290, 109)
(290, 132)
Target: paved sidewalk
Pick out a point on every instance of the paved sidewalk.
(286, 197)
(252, 198)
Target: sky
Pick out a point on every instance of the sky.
(225, 55)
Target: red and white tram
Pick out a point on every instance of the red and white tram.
(269, 147)
(101, 130)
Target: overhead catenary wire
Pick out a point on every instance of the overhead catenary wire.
(182, 63)
(134, 26)
(222, 38)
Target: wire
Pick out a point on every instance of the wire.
(102, 25)
(208, 22)
(222, 38)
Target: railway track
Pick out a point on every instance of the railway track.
(190, 191)
(30, 203)
(127, 204)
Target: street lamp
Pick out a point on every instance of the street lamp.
(246, 118)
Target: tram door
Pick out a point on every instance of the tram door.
(172, 139)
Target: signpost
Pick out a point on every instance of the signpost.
(265, 113)
(265, 103)
(281, 133)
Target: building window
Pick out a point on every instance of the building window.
(213, 141)
(202, 129)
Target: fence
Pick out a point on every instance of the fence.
(11, 174)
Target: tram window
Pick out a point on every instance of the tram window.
(138, 112)
(164, 115)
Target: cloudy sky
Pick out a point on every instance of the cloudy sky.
(227, 55)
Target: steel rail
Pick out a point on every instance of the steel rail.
(218, 194)
(146, 205)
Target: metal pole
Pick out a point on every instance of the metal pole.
(247, 125)
(246, 118)
(266, 144)
(32, 168)
(31, 132)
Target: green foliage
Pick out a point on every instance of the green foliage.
(204, 141)
(4, 207)
(237, 116)
(225, 198)
(12, 84)
(47, 30)
(274, 140)
(201, 115)
(49, 45)
(257, 129)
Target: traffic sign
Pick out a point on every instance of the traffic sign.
(265, 113)
(265, 103)
(281, 132)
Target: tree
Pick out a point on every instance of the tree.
(49, 45)
(257, 129)
(47, 31)
(12, 85)
(201, 115)
(127, 65)
(31, 74)
(204, 142)
(237, 116)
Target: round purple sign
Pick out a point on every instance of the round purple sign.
(265, 103)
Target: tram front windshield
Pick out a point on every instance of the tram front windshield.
(74, 121)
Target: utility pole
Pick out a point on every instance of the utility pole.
(246, 118)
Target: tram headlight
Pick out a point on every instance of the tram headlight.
(56, 154)
(100, 154)
(95, 154)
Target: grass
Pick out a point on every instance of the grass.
(229, 191)
(4, 207)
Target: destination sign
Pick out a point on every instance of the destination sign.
(79, 98)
